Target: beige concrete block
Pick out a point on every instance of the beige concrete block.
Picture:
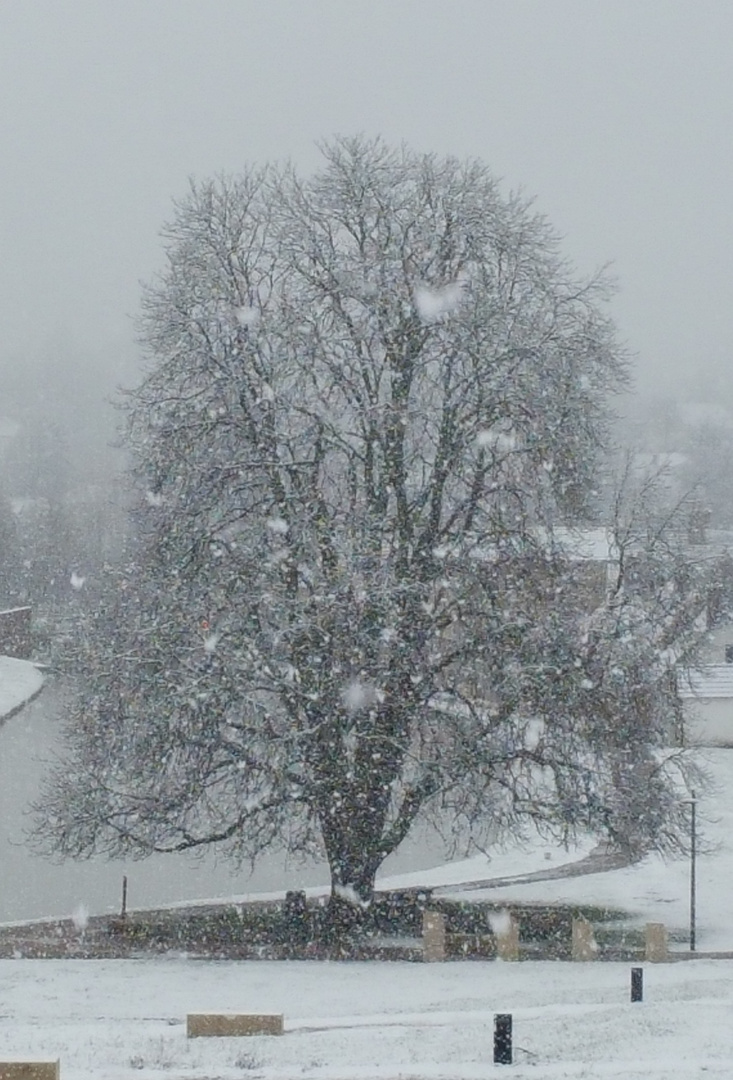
(232, 1024)
(29, 1070)
(507, 942)
(433, 936)
(656, 949)
(583, 945)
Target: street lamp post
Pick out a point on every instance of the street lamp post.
(693, 870)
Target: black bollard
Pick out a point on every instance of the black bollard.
(637, 984)
(503, 1039)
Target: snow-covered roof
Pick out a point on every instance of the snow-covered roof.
(20, 681)
(711, 681)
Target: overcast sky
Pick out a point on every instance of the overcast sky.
(616, 114)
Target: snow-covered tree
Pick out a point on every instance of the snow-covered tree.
(371, 397)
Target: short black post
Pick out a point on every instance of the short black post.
(503, 1039)
(637, 984)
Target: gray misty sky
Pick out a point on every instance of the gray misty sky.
(616, 114)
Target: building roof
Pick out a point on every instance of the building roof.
(710, 681)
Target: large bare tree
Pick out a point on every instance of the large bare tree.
(372, 395)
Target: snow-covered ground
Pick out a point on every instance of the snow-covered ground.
(658, 890)
(20, 681)
(534, 857)
(349, 1021)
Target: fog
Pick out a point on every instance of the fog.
(615, 116)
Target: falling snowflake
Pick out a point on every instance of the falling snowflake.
(77, 582)
(500, 922)
(80, 918)
(433, 304)
(350, 895)
(248, 316)
(359, 695)
(501, 441)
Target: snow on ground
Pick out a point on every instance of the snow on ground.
(658, 890)
(357, 1021)
(19, 682)
(536, 856)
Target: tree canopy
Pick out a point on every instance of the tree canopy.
(372, 397)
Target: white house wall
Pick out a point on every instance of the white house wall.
(710, 722)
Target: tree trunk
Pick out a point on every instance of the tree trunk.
(353, 867)
(348, 913)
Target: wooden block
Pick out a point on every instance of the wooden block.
(29, 1070)
(231, 1025)
(433, 936)
(583, 945)
(656, 950)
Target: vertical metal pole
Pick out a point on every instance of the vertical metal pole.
(693, 872)
(637, 984)
(503, 1039)
(123, 913)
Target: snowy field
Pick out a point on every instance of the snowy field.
(346, 1021)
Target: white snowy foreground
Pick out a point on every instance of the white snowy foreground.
(20, 681)
(357, 1021)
